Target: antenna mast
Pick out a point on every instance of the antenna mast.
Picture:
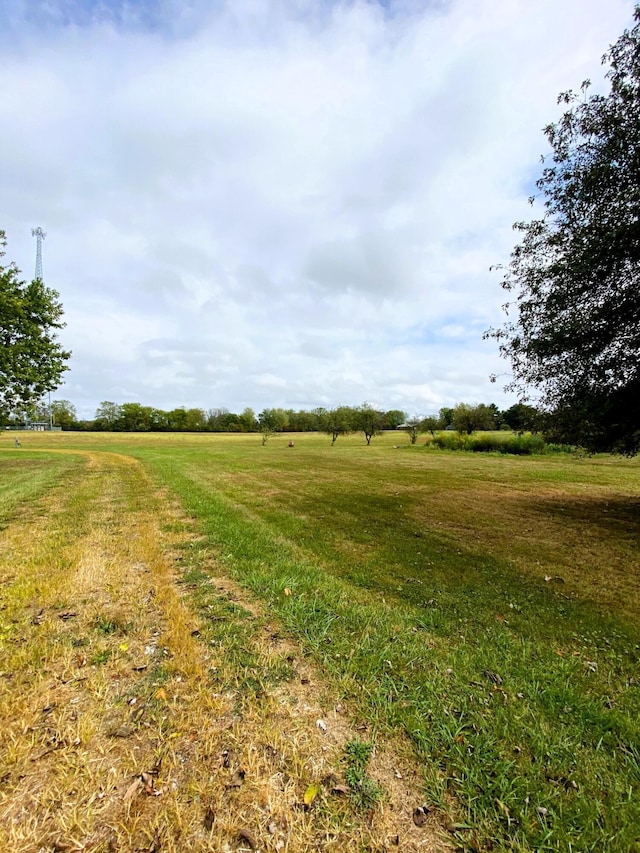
(39, 234)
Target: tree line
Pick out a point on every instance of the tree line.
(342, 420)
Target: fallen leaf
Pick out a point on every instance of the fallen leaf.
(237, 779)
(136, 715)
(134, 788)
(149, 782)
(420, 815)
(246, 835)
(503, 808)
(209, 819)
(161, 693)
(122, 731)
(310, 794)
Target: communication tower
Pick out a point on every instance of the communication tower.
(39, 234)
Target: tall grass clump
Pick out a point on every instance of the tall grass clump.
(491, 442)
(450, 441)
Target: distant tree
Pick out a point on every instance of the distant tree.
(368, 421)
(495, 415)
(522, 418)
(446, 417)
(32, 360)
(248, 420)
(431, 424)
(468, 419)
(303, 421)
(336, 422)
(575, 276)
(63, 414)
(107, 416)
(272, 421)
(393, 419)
(134, 417)
(196, 420)
(158, 420)
(414, 425)
(177, 419)
(217, 419)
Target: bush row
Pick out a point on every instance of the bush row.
(517, 445)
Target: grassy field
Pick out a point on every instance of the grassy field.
(481, 608)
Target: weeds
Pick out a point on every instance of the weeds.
(364, 791)
(492, 442)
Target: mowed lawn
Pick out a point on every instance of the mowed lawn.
(484, 606)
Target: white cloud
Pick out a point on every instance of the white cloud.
(281, 203)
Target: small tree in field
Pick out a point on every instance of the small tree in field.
(368, 420)
(272, 421)
(414, 426)
(336, 422)
(430, 424)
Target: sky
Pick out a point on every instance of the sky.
(286, 203)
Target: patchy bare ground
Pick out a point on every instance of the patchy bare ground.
(120, 725)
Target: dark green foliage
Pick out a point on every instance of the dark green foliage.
(522, 418)
(575, 277)
(31, 359)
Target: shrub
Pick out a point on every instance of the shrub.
(450, 441)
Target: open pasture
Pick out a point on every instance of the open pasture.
(482, 607)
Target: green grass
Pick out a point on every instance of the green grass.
(24, 476)
(487, 606)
